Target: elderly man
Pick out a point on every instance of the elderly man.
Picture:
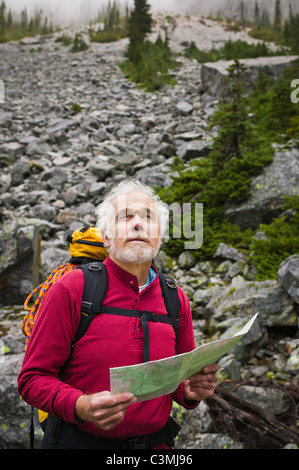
(132, 220)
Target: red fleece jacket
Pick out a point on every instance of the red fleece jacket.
(110, 341)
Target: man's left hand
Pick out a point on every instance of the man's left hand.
(202, 385)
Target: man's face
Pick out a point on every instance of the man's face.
(134, 235)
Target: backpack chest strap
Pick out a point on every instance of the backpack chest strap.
(89, 311)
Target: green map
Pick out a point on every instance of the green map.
(156, 378)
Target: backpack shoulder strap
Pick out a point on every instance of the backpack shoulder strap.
(170, 296)
(95, 288)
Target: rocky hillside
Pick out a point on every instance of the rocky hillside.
(71, 126)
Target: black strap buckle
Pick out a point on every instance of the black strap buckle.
(142, 442)
(86, 306)
(151, 316)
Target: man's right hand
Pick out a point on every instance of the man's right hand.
(104, 409)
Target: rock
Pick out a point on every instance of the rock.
(228, 252)
(184, 108)
(154, 176)
(229, 368)
(100, 168)
(152, 143)
(14, 412)
(214, 74)
(30, 41)
(13, 148)
(20, 171)
(186, 260)
(19, 262)
(215, 441)
(167, 149)
(288, 276)
(249, 297)
(45, 211)
(267, 191)
(55, 177)
(59, 125)
(271, 400)
(195, 149)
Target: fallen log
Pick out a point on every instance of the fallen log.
(246, 422)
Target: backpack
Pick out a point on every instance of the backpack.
(86, 245)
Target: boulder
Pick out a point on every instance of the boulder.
(14, 412)
(214, 74)
(288, 276)
(271, 400)
(267, 191)
(240, 299)
(19, 262)
(184, 108)
(194, 149)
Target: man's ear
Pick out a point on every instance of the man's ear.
(106, 241)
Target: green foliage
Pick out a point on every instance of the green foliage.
(263, 34)
(115, 26)
(147, 63)
(14, 29)
(152, 70)
(79, 44)
(76, 108)
(64, 39)
(239, 153)
(230, 51)
(290, 33)
(107, 36)
(272, 107)
(139, 26)
(241, 149)
(282, 241)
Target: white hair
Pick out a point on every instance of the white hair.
(103, 211)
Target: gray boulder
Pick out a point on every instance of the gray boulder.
(267, 191)
(19, 262)
(288, 276)
(214, 74)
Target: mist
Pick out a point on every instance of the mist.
(68, 12)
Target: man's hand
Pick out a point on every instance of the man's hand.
(104, 409)
(202, 385)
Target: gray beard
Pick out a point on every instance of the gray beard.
(133, 254)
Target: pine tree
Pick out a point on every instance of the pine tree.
(2, 21)
(277, 17)
(257, 20)
(140, 23)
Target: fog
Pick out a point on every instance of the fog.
(64, 12)
(67, 12)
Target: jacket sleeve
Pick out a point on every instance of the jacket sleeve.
(185, 343)
(49, 347)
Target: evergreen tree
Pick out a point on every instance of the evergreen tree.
(265, 20)
(2, 21)
(277, 17)
(242, 13)
(24, 21)
(9, 21)
(257, 20)
(140, 23)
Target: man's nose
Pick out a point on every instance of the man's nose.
(137, 223)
